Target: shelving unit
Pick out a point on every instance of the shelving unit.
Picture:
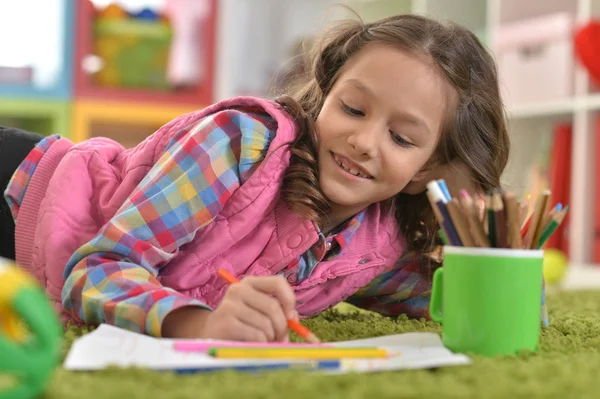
(126, 122)
(57, 92)
(129, 114)
(84, 86)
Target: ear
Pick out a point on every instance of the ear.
(418, 183)
(422, 174)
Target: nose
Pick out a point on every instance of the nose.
(365, 141)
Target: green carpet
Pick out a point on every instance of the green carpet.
(566, 365)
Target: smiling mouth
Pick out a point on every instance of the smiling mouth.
(348, 168)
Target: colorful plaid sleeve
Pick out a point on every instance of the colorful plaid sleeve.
(15, 190)
(404, 289)
(112, 278)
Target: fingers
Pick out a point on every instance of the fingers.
(237, 321)
(255, 309)
(278, 286)
(261, 311)
(259, 321)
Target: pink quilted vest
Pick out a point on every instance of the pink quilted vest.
(76, 189)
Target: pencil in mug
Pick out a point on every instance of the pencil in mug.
(445, 190)
(524, 210)
(459, 223)
(436, 211)
(499, 220)
(294, 325)
(472, 215)
(437, 199)
(443, 233)
(525, 228)
(555, 221)
(442, 236)
(481, 206)
(491, 225)
(557, 208)
(512, 215)
(533, 232)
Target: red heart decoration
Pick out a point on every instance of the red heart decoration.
(587, 48)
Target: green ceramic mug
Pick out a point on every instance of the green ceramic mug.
(488, 299)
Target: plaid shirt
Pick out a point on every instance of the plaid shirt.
(112, 278)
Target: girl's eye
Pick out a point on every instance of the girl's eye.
(351, 111)
(400, 141)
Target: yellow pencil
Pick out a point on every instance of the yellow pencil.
(297, 353)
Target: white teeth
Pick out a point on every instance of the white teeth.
(352, 171)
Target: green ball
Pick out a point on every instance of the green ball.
(555, 266)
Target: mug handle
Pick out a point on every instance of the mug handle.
(435, 304)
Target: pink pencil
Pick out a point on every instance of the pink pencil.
(191, 346)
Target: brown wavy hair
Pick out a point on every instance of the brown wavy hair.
(473, 132)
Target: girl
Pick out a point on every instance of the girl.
(310, 200)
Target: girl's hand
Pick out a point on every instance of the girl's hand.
(255, 309)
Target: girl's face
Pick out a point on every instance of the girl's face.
(379, 126)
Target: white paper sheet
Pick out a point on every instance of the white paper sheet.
(111, 346)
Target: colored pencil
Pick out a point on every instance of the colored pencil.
(294, 325)
(555, 221)
(524, 210)
(474, 222)
(442, 236)
(204, 346)
(557, 208)
(437, 197)
(443, 233)
(544, 315)
(483, 213)
(270, 366)
(445, 190)
(490, 220)
(525, 228)
(512, 215)
(532, 235)
(535, 220)
(499, 220)
(459, 223)
(299, 353)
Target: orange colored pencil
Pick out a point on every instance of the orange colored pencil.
(525, 228)
(294, 325)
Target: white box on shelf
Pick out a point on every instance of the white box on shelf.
(535, 59)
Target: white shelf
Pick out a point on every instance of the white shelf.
(555, 108)
(544, 108)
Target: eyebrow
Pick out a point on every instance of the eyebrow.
(405, 116)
